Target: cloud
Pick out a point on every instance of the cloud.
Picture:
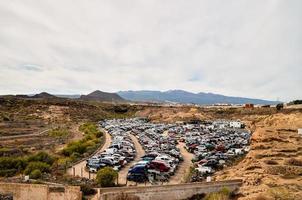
(240, 48)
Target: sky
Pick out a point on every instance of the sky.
(237, 47)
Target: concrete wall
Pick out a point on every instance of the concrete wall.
(168, 192)
(40, 192)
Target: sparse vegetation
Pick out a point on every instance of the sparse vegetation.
(58, 132)
(271, 162)
(281, 193)
(35, 174)
(294, 162)
(88, 144)
(106, 177)
(10, 166)
(295, 102)
(223, 194)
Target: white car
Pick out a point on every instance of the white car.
(204, 169)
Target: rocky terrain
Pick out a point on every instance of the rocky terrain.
(23, 121)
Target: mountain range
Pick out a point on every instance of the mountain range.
(182, 96)
(175, 96)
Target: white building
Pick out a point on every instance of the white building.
(235, 124)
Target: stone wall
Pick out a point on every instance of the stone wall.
(168, 192)
(40, 192)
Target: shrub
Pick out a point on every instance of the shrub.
(279, 106)
(43, 167)
(271, 162)
(8, 172)
(77, 146)
(9, 166)
(223, 194)
(42, 157)
(87, 190)
(87, 144)
(58, 132)
(106, 177)
(35, 174)
(216, 196)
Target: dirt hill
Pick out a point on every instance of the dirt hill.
(102, 96)
(44, 95)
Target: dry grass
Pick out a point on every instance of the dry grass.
(124, 196)
(284, 171)
(294, 162)
(281, 193)
(271, 162)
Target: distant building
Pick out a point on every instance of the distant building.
(249, 105)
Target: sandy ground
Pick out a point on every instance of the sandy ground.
(184, 167)
(79, 168)
(122, 179)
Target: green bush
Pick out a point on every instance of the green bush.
(87, 144)
(87, 190)
(9, 166)
(74, 147)
(35, 174)
(106, 177)
(42, 157)
(43, 167)
(8, 172)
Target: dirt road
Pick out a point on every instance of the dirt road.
(122, 179)
(79, 168)
(184, 167)
(24, 135)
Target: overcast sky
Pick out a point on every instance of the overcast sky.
(240, 48)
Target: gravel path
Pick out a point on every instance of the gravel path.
(122, 178)
(184, 167)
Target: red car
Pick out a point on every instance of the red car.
(159, 166)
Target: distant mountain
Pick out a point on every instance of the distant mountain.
(68, 96)
(182, 96)
(102, 96)
(44, 95)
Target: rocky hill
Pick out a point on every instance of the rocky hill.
(44, 95)
(102, 96)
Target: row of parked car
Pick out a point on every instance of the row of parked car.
(213, 143)
(117, 155)
(162, 156)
